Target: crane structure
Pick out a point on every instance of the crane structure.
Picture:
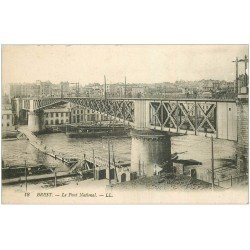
(77, 89)
(65, 88)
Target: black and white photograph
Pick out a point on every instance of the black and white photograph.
(125, 124)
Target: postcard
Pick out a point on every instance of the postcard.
(125, 124)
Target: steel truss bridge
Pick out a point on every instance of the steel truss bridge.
(188, 116)
(118, 108)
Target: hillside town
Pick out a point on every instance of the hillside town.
(186, 89)
(73, 114)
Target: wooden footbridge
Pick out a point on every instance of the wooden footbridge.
(101, 168)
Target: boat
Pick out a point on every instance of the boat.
(9, 172)
(96, 131)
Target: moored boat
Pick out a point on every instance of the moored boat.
(19, 171)
(96, 131)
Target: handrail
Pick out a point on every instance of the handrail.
(34, 141)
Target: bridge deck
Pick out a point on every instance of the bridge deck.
(96, 161)
(137, 99)
(182, 115)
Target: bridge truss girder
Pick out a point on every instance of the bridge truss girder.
(122, 109)
(184, 116)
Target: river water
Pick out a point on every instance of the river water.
(187, 147)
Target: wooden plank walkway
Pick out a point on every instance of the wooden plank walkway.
(97, 161)
(35, 142)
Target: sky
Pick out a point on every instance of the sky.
(139, 63)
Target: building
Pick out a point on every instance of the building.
(64, 89)
(5, 99)
(243, 83)
(74, 89)
(7, 120)
(108, 87)
(15, 90)
(55, 90)
(24, 90)
(18, 90)
(191, 109)
(185, 167)
(81, 115)
(112, 90)
(138, 91)
(45, 88)
(70, 114)
(33, 90)
(57, 115)
(117, 90)
(93, 90)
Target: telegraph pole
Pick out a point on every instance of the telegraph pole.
(125, 87)
(109, 162)
(236, 76)
(77, 89)
(105, 88)
(26, 182)
(114, 162)
(94, 163)
(139, 168)
(55, 181)
(212, 160)
(61, 90)
(246, 61)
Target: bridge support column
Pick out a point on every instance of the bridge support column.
(141, 115)
(35, 121)
(149, 151)
(242, 137)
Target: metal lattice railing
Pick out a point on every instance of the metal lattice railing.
(196, 116)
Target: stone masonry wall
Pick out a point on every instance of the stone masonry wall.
(242, 147)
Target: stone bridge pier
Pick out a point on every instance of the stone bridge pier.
(35, 119)
(150, 149)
